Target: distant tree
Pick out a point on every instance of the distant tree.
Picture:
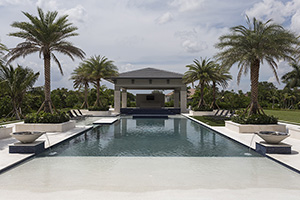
(292, 78)
(157, 92)
(81, 78)
(202, 71)
(266, 91)
(17, 81)
(99, 68)
(45, 34)
(221, 76)
(250, 46)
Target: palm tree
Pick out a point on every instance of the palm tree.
(45, 34)
(3, 48)
(202, 71)
(221, 77)
(292, 79)
(16, 82)
(99, 68)
(80, 79)
(250, 46)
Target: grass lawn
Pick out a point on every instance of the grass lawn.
(212, 120)
(285, 115)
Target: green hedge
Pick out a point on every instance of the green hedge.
(95, 108)
(202, 108)
(43, 117)
(255, 119)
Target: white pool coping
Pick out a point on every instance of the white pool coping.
(290, 160)
(8, 160)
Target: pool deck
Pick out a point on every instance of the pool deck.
(292, 161)
(289, 160)
(9, 160)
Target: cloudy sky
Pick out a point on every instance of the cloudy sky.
(163, 34)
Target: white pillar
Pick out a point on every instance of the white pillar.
(124, 98)
(183, 100)
(117, 99)
(176, 98)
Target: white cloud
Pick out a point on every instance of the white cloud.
(14, 2)
(191, 42)
(270, 9)
(279, 11)
(127, 67)
(167, 17)
(47, 5)
(295, 22)
(186, 5)
(77, 14)
(193, 46)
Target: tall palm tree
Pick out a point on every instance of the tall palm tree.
(45, 34)
(81, 78)
(292, 79)
(202, 71)
(99, 68)
(221, 77)
(16, 82)
(3, 49)
(250, 46)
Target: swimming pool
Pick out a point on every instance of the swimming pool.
(176, 136)
(152, 159)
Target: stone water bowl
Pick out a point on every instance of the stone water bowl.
(27, 136)
(272, 137)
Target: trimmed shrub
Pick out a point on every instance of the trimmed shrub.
(43, 117)
(255, 119)
(95, 108)
(202, 108)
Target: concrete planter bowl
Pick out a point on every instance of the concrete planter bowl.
(272, 137)
(27, 136)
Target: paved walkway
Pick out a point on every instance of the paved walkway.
(7, 160)
(291, 160)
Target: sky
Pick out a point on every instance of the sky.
(162, 34)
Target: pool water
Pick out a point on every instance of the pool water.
(175, 136)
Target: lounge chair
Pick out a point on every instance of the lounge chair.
(75, 113)
(79, 115)
(216, 112)
(220, 113)
(225, 114)
(70, 114)
(79, 112)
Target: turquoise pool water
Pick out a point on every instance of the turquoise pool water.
(176, 136)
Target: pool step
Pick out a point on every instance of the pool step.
(109, 120)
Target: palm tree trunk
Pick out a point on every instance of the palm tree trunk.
(201, 102)
(86, 96)
(16, 110)
(213, 104)
(47, 90)
(98, 102)
(254, 107)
